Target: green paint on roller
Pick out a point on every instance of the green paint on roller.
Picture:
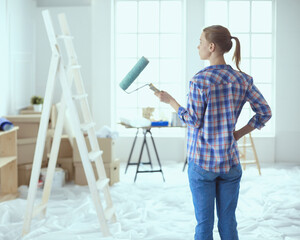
(134, 73)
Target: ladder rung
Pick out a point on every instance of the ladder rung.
(245, 145)
(79, 96)
(94, 155)
(87, 126)
(109, 212)
(38, 209)
(247, 161)
(65, 37)
(74, 66)
(101, 183)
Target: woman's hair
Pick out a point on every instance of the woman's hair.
(221, 36)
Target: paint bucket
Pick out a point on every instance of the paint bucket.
(58, 178)
(175, 121)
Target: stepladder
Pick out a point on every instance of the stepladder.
(75, 100)
(248, 157)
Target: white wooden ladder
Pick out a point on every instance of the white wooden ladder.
(79, 126)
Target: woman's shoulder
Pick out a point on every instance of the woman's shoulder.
(243, 74)
(244, 77)
(201, 79)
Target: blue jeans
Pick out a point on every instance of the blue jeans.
(208, 186)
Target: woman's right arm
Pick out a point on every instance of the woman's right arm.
(193, 114)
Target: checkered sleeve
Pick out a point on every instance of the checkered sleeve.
(259, 105)
(193, 114)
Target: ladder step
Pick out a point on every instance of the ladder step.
(109, 212)
(247, 161)
(245, 145)
(38, 209)
(65, 37)
(94, 155)
(101, 183)
(74, 66)
(87, 126)
(80, 96)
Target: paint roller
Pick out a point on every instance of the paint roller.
(134, 73)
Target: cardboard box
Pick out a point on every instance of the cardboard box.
(112, 171)
(67, 165)
(26, 150)
(79, 174)
(65, 148)
(107, 145)
(28, 124)
(29, 110)
(24, 173)
(65, 155)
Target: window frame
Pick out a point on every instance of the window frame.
(176, 132)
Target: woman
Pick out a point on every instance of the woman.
(216, 97)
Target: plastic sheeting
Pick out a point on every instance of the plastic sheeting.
(268, 208)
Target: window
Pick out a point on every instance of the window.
(252, 22)
(153, 29)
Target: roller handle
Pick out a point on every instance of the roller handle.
(154, 89)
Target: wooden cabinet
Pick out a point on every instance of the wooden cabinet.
(8, 165)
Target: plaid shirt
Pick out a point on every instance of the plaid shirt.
(215, 100)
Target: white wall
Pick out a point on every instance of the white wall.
(287, 114)
(169, 149)
(17, 54)
(102, 43)
(4, 57)
(194, 26)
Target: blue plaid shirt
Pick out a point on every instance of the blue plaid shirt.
(216, 97)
